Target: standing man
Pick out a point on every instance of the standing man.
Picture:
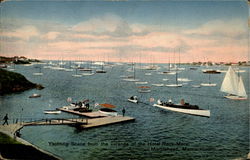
(5, 119)
(123, 111)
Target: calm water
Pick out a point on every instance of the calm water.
(156, 134)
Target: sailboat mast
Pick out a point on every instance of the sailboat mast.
(133, 69)
(209, 79)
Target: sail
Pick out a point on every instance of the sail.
(230, 82)
(241, 89)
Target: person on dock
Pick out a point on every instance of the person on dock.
(123, 112)
(5, 119)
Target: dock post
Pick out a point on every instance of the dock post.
(86, 120)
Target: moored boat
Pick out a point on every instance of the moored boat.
(144, 89)
(133, 99)
(107, 109)
(51, 112)
(185, 108)
(211, 71)
(35, 95)
(233, 85)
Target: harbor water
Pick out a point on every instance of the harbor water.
(155, 134)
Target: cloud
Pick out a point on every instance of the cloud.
(24, 33)
(105, 23)
(230, 28)
(51, 35)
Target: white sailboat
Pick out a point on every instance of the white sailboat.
(209, 84)
(131, 78)
(38, 73)
(233, 85)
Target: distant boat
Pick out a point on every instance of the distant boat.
(158, 85)
(184, 80)
(209, 84)
(132, 78)
(102, 69)
(141, 82)
(233, 85)
(51, 112)
(211, 71)
(174, 85)
(76, 75)
(133, 99)
(193, 68)
(144, 89)
(107, 109)
(87, 74)
(185, 108)
(176, 82)
(38, 73)
(35, 95)
(148, 74)
(196, 86)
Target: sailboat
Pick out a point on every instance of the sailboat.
(76, 75)
(102, 69)
(132, 78)
(176, 82)
(38, 73)
(233, 85)
(209, 84)
(176, 77)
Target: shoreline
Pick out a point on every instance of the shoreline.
(24, 145)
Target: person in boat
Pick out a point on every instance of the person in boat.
(123, 112)
(182, 102)
(159, 102)
(170, 101)
(80, 104)
(5, 119)
(132, 98)
(87, 105)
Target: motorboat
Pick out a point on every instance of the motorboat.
(183, 107)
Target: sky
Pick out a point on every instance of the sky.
(125, 31)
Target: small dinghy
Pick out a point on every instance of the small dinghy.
(133, 99)
(107, 109)
(35, 95)
(51, 112)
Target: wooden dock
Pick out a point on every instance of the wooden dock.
(82, 123)
(95, 114)
(70, 121)
(97, 122)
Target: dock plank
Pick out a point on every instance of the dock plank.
(97, 122)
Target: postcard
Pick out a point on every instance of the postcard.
(127, 79)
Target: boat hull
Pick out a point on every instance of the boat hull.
(208, 84)
(109, 113)
(174, 85)
(196, 112)
(236, 97)
(133, 100)
(51, 112)
(144, 91)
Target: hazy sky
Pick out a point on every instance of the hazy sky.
(141, 31)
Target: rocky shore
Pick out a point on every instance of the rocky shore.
(11, 82)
